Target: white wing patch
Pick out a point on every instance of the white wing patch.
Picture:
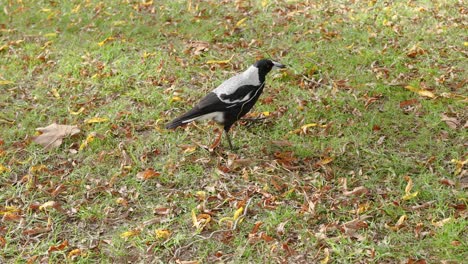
(216, 116)
(248, 77)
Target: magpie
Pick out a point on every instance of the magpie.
(232, 99)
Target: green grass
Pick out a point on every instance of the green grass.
(348, 65)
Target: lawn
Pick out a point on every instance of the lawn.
(356, 153)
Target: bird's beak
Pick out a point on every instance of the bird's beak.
(278, 65)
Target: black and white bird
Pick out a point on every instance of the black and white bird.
(232, 99)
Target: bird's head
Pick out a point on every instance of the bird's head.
(266, 65)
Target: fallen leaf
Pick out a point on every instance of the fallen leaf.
(442, 222)
(451, 122)
(5, 82)
(409, 186)
(3, 169)
(76, 112)
(53, 135)
(326, 259)
(421, 92)
(60, 247)
(131, 233)
(399, 224)
(415, 51)
(220, 61)
(459, 165)
(241, 22)
(96, 120)
(10, 216)
(106, 40)
(357, 191)
(89, 138)
(447, 182)
(147, 174)
(75, 252)
(2, 241)
(162, 233)
(51, 204)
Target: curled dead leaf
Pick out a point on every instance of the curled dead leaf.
(53, 135)
(147, 174)
(60, 247)
(357, 191)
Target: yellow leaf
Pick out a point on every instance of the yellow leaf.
(201, 195)
(10, 209)
(411, 88)
(108, 39)
(265, 3)
(266, 113)
(50, 35)
(3, 169)
(442, 222)
(77, 112)
(409, 196)
(38, 168)
(426, 93)
(241, 22)
(409, 185)
(238, 212)
(130, 233)
(55, 93)
(326, 259)
(194, 219)
(90, 138)
(220, 61)
(5, 82)
(401, 220)
(96, 120)
(175, 99)
(76, 9)
(459, 165)
(74, 252)
(162, 233)
(119, 23)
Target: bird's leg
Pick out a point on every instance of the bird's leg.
(229, 140)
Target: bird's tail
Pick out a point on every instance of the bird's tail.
(183, 119)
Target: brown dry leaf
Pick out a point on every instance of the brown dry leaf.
(197, 47)
(357, 191)
(415, 51)
(356, 224)
(147, 174)
(451, 122)
(416, 261)
(200, 221)
(37, 230)
(60, 247)
(11, 216)
(53, 134)
(2, 241)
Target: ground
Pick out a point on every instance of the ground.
(356, 153)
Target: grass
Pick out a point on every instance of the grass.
(332, 192)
